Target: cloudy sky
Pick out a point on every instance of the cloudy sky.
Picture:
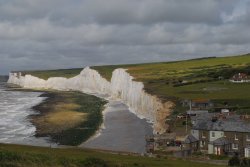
(50, 34)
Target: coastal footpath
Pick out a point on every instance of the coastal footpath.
(121, 87)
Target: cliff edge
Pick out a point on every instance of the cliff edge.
(121, 87)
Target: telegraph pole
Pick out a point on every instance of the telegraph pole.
(186, 123)
(190, 108)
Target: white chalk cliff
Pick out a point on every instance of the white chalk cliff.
(121, 87)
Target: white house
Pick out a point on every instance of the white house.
(240, 78)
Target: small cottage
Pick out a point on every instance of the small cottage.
(201, 104)
(190, 143)
(240, 78)
(196, 112)
(160, 142)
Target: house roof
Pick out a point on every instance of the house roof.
(201, 101)
(197, 112)
(190, 139)
(209, 116)
(227, 125)
(240, 76)
(166, 136)
(220, 142)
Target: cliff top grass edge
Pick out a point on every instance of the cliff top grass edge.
(188, 79)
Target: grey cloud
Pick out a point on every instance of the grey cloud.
(116, 11)
(45, 34)
(144, 12)
(245, 18)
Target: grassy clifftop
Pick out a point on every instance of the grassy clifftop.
(204, 78)
(188, 79)
(23, 156)
(45, 74)
(180, 69)
(198, 78)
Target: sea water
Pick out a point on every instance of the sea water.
(122, 130)
(15, 124)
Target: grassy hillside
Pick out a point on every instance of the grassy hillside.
(198, 78)
(189, 79)
(23, 156)
(45, 74)
(187, 69)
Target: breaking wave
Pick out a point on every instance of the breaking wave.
(15, 107)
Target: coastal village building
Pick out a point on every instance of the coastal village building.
(196, 112)
(198, 104)
(212, 133)
(240, 78)
(201, 104)
(160, 142)
(222, 134)
(190, 143)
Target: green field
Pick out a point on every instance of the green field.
(28, 156)
(45, 74)
(187, 69)
(191, 79)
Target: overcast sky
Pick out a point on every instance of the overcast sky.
(51, 34)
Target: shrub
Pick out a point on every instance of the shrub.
(234, 161)
(94, 162)
(218, 157)
(245, 162)
(9, 156)
(64, 162)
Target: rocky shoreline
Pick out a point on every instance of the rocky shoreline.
(68, 118)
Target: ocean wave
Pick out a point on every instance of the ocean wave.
(15, 107)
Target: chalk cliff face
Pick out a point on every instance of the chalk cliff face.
(141, 103)
(88, 81)
(121, 87)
